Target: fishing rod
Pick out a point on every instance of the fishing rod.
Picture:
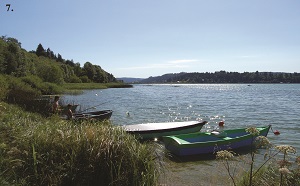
(94, 106)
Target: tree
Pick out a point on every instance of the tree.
(40, 51)
(100, 76)
(13, 60)
(78, 70)
(50, 53)
(89, 70)
(51, 72)
(70, 62)
(59, 58)
(11, 40)
(68, 72)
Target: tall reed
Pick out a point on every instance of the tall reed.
(39, 151)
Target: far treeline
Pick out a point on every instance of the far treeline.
(226, 77)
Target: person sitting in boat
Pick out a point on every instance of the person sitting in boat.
(69, 112)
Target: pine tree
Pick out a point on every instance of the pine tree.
(40, 51)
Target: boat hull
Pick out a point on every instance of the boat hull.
(208, 143)
(149, 131)
(96, 115)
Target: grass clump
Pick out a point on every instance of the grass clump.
(38, 151)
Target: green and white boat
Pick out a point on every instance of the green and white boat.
(210, 142)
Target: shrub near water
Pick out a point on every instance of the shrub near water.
(35, 151)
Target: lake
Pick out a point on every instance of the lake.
(238, 105)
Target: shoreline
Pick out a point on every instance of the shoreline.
(202, 172)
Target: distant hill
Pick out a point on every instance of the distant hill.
(226, 77)
(166, 78)
(130, 80)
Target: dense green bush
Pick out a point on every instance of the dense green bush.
(73, 79)
(41, 86)
(20, 92)
(26, 92)
(3, 87)
(52, 88)
(85, 79)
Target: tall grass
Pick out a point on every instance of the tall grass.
(39, 151)
(270, 175)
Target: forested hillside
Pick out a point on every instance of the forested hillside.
(46, 65)
(25, 76)
(226, 77)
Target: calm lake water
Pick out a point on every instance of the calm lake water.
(238, 105)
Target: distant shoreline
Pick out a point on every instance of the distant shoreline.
(221, 77)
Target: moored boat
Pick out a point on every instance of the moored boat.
(210, 142)
(96, 115)
(149, 131)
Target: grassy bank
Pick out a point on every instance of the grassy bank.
(49, 151)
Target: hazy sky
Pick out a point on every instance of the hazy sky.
(142, 38)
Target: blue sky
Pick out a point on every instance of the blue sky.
(142, 38)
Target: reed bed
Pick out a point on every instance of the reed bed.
(49, 151)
